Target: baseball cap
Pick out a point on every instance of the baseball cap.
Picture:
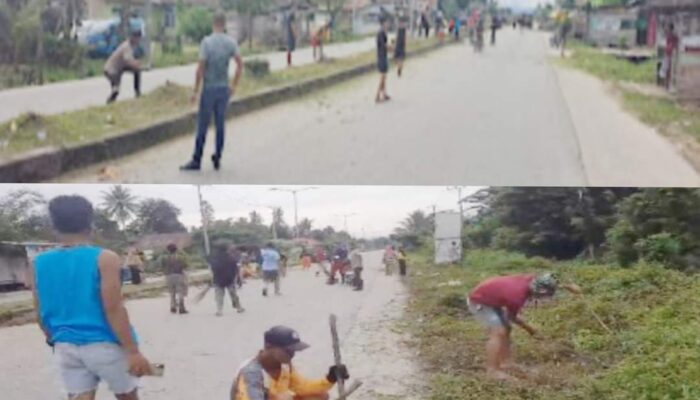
(282, 336)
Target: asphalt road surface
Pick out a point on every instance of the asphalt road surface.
(60, 97)
(504, 117)
(202, 352)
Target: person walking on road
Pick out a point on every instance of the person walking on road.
(400, 48)
(270, 268)
(173, 264)
(124, 59)
(135, 265)
(495, 26)
(424, 23)
(382, 61)
(215, 52)
(224, 262)
(291, 36)
(401, 257)
(496, 303)
(270, 374)
(357, 265)
(284, 263)
(670, 51)
(77, 296)
(389, 259)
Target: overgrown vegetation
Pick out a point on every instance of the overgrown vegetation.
(652, 353)
(609, 67)
(32, 130)
(620, 225)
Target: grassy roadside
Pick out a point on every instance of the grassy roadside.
(22, 312)
(32, 131)
(669, 116)
(654, 352)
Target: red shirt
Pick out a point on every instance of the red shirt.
(671, 44)
(510, 292)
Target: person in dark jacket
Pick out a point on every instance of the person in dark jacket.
(224, 262)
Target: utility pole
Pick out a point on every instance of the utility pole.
(296, 211)
(205, 223)
(345, 218)
(274, 223)
(459, 201)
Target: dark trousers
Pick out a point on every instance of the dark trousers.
(402, 267)
(116, 79)
(214, 100)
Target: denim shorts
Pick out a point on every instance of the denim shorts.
(489, 316)
(83, 367)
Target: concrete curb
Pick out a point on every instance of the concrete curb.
(49, 163)
(22, 311)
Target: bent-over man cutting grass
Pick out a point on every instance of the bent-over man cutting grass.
(496, 303)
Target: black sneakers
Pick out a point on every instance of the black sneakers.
(191, 166)
(217, 162)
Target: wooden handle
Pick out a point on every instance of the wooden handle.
(336, 354)
(351, 389)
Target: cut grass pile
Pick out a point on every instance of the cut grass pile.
(653, 353)
(34, 131)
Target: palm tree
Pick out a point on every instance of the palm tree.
(119, 204)
(416, 223)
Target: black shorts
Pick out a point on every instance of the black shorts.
(383, 66)
(270, 276)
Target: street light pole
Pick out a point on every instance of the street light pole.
(205, 227)
(296, 214)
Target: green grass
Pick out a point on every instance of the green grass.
(653, 353)
(32, 131)
(609, 67)
(665, 114)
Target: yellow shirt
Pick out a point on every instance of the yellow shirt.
(252, 383)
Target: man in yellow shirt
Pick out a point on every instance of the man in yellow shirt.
(270, 375)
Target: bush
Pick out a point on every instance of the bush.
(195, 23)
(621, 240)
(62, 52)
(661, 247)
(257, 68)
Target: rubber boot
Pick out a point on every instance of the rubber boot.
(181, 307)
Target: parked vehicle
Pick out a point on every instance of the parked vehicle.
(14, 263)
(101, 37)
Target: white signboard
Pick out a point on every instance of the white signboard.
(448, 237)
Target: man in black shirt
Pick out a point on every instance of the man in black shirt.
(224, 262)
(400, 49)
(382, 60)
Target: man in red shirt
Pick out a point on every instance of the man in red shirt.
(670, 51)
(496, 303)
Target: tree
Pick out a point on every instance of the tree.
(195, 23)
(157, 216)
(305, 227)
(119, 204)
(281, 227)
(207, 213)
(660, 225)
(255, 218)
(417, 223)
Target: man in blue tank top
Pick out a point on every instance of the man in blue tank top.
(77, 295)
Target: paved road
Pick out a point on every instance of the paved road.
(504, 117)
(202, 352)
(74, 95)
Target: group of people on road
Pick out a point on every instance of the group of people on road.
(89, 329)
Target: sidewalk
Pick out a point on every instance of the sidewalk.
(60, 97)
(23, 296)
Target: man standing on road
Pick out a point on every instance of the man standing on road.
(77, 297)
(400, 49)
(356, 262)
(291, 36)
(173, 265)
(382, 60)
(270, 374)
(496, 303)
(215, 52)
(670, 51)
(224, 265)
(124, 59)
(270, 268)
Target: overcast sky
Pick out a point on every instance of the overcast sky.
(521, 4)
(378, 209)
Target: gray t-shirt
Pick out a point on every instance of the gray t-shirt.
(216, 51)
